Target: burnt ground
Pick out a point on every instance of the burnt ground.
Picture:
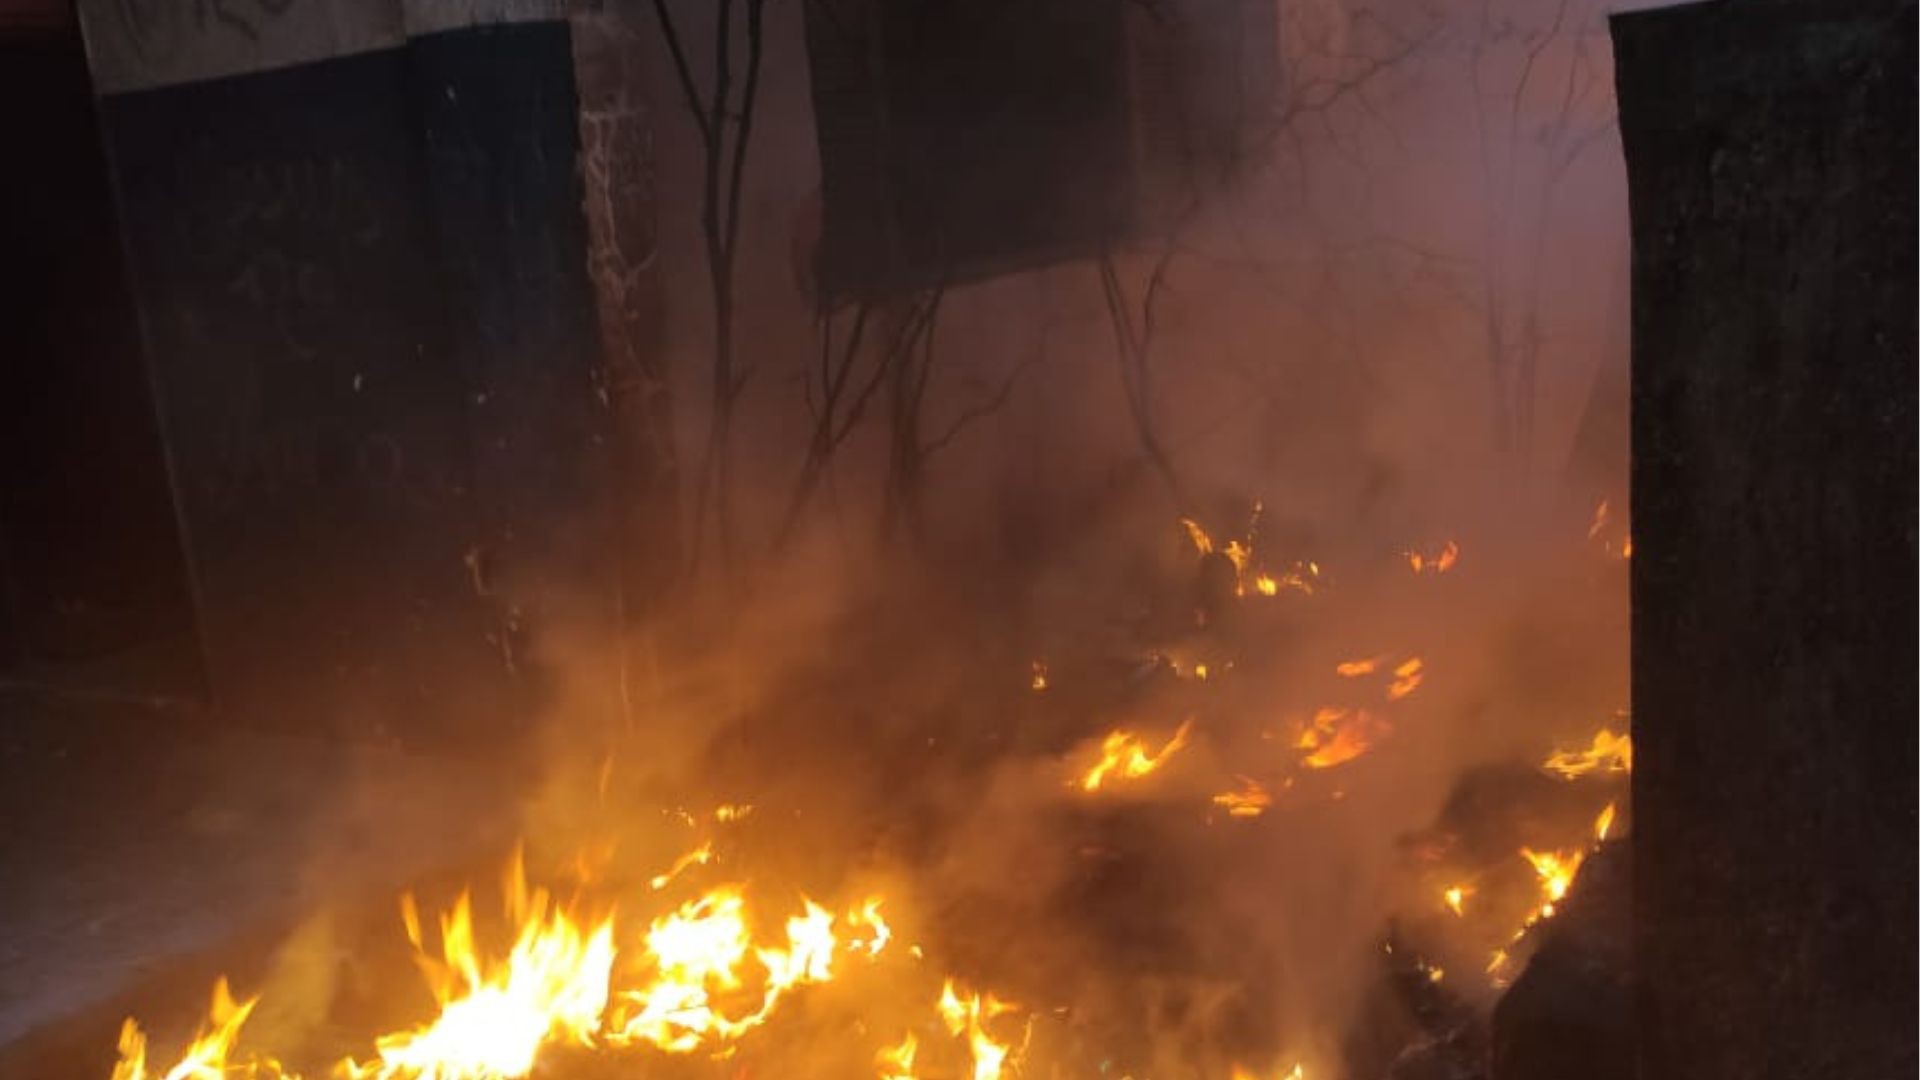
(149, 849)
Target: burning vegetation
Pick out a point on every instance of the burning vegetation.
(1132, 866)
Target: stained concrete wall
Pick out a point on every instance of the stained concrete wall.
(1770, 158)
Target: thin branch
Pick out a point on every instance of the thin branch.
(682, 70)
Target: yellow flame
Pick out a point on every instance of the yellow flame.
(1456, 898)
(967, 1014)
(1603, 824)
(496, 1017)
(1608, 752)
(1556, 871)
(1039, 681)
(699, 856)
(868, 915)
(205, 1058)
(896, 1062)
(1123, 756)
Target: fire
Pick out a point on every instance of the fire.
(1556, 870)
(1438, 563)
(1603, 824)
(968, 1014)
(1608, 752)
(1298, 1072)
(1602, 515)
(495, 1018)
(1249, 801)
(699, 856)
(1338, 735)
(1039, 680)
(896, 1062)
(1124, 756)
(1456, 898)
(1406, 679)
(206, 1057)
(1353, 669)
(1299, 576)
(868, 915)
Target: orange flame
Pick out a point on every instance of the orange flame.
(1437, 563)
(1250, 801)
(1406, 679)
(1338, 735)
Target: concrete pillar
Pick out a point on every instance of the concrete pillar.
(1770, 158)
(355, 237)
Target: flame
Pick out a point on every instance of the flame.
(1352, 669)
(1039, 681)
(896, 1062)
(1438, 563)
(496, 1017)
(1603, 824)
(732, 812)
(1556, 870)
(1299, 576)
(1608, 752)
(1298, 1072)
(868, 915)
(1338, 735)
(1251, 800)
(968, 1014)
(1456, 898)
(1123, 756)
(1406, 679)
(205, 1058)
(699, 856)
(1202, 543)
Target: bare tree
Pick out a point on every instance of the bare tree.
(724, 123)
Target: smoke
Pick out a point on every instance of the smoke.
(1382, 334)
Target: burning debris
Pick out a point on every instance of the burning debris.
(1074, 925)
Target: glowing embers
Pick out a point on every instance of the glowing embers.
(1607, 753)
(1124, 756)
